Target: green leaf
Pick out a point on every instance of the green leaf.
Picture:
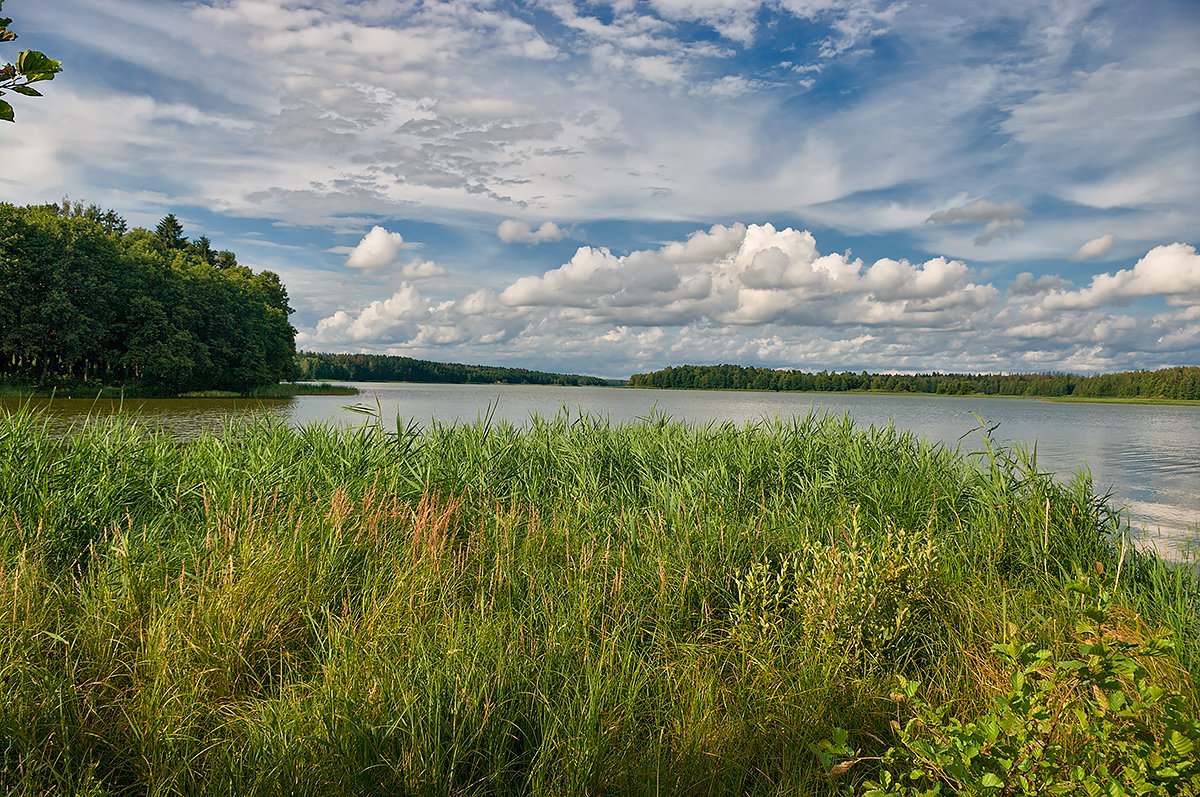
(36, 66)
(6, 111)
(1180, 744)
(28, 92)
(992, 781)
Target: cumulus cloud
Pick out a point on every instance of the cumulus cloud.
(396, 318)
(377, 249)
(511, 231)
(1171, 271)
(1000, 219)
(1097, 247)
(754, 274)
(761, 294)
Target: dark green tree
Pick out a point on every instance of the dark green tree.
(170, 232)
(203, 248)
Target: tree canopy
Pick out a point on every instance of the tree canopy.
(84, 301)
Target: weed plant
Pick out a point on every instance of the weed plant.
(568, 607)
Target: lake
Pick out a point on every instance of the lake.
(1147, 456)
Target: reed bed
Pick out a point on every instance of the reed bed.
(567, 607)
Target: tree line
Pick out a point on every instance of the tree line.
(1168, 383)
(85, 300)
(315, 366)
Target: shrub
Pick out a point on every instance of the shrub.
(1093, 724)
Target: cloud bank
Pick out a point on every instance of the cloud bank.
(756, 293)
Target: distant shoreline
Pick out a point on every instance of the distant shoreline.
(1053, 399)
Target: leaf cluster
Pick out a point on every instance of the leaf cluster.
(1092, 724)
(31, 66)
(852, 593)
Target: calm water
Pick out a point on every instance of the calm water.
(1148, 456)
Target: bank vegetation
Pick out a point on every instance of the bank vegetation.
(569, 607)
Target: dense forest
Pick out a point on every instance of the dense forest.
(84, 300)
(386, 368)
(1169, 383)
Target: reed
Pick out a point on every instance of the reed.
(570, 606)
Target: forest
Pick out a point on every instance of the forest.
(86, 301)
(1181, 383)
(314, 366)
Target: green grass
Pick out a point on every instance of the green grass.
(572, 607)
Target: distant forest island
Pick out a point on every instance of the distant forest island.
(88, 305)
(315, 366)
(1168, 384)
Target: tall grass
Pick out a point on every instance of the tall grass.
(569, 607)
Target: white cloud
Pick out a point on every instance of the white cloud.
(422, 269)
(511, 231)
(1096, 247)
(752, 274)
(377, 249)
(396, 318)
(1171, 271)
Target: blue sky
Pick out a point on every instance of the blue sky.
(612, 188)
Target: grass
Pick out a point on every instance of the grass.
(566, 608)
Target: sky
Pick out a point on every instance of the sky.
(615, 187)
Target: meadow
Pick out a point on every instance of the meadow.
(567, 607)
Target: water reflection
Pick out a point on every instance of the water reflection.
(184, 419)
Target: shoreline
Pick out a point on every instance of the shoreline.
(281, 391)
(1052, 399)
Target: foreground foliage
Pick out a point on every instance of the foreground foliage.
(31, 67)
(566, 608)
(1095, 723)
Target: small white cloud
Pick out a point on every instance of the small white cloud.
(422, 269)
(1000, 219)
(511, 231)
(377, 249)
(1095, 248)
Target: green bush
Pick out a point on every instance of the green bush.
(1093, 724)
(851, 593)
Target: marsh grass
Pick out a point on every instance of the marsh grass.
(564, 608)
